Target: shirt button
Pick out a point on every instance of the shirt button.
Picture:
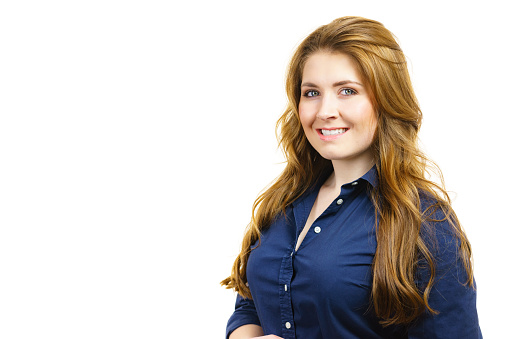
(317, 229)
(340, 201)
(288, 325)
(286, 288)
(354, 183)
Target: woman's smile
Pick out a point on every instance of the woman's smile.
(331, 133)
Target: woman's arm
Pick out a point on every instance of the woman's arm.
(247, 332)
(451, 296)
(244, 321)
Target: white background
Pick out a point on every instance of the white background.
(135, 136)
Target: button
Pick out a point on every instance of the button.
(340, 201)
(291, 253)
(288, 325)
(354, 183)
(317, 229)
(286, 288)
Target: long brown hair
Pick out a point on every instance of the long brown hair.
(402, 169)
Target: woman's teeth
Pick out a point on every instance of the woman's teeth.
(333, 131)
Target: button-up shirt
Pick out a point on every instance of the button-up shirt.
(323, 290)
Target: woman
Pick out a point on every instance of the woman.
(352, 240)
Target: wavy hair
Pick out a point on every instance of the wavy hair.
(402, 167)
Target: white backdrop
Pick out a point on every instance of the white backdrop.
(135, 136)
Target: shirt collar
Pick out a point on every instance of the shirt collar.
(371, 177)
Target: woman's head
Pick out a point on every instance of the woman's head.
(382, 66)
(336, 110)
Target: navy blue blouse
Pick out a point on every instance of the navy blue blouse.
(323, 289)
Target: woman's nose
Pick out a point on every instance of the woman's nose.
(328, 109)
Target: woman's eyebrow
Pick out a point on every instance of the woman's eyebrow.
(338, 83)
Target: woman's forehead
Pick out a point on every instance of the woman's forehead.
(330, 67)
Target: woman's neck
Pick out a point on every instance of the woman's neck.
(345, 171)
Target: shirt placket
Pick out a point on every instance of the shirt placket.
(287, 317)
(286, 271)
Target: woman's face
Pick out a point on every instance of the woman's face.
(335, 109)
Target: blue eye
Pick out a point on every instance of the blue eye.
(348, 91)
(311, 93)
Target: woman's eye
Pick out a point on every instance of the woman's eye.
(348, 91)
(311, 93)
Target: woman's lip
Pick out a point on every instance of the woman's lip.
(330, 137)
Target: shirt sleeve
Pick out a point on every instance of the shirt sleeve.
(450, 295)
(245, 313)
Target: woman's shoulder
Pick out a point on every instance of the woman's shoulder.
(434, 208)
(440, 227)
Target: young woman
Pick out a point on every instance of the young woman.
(352, 240)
